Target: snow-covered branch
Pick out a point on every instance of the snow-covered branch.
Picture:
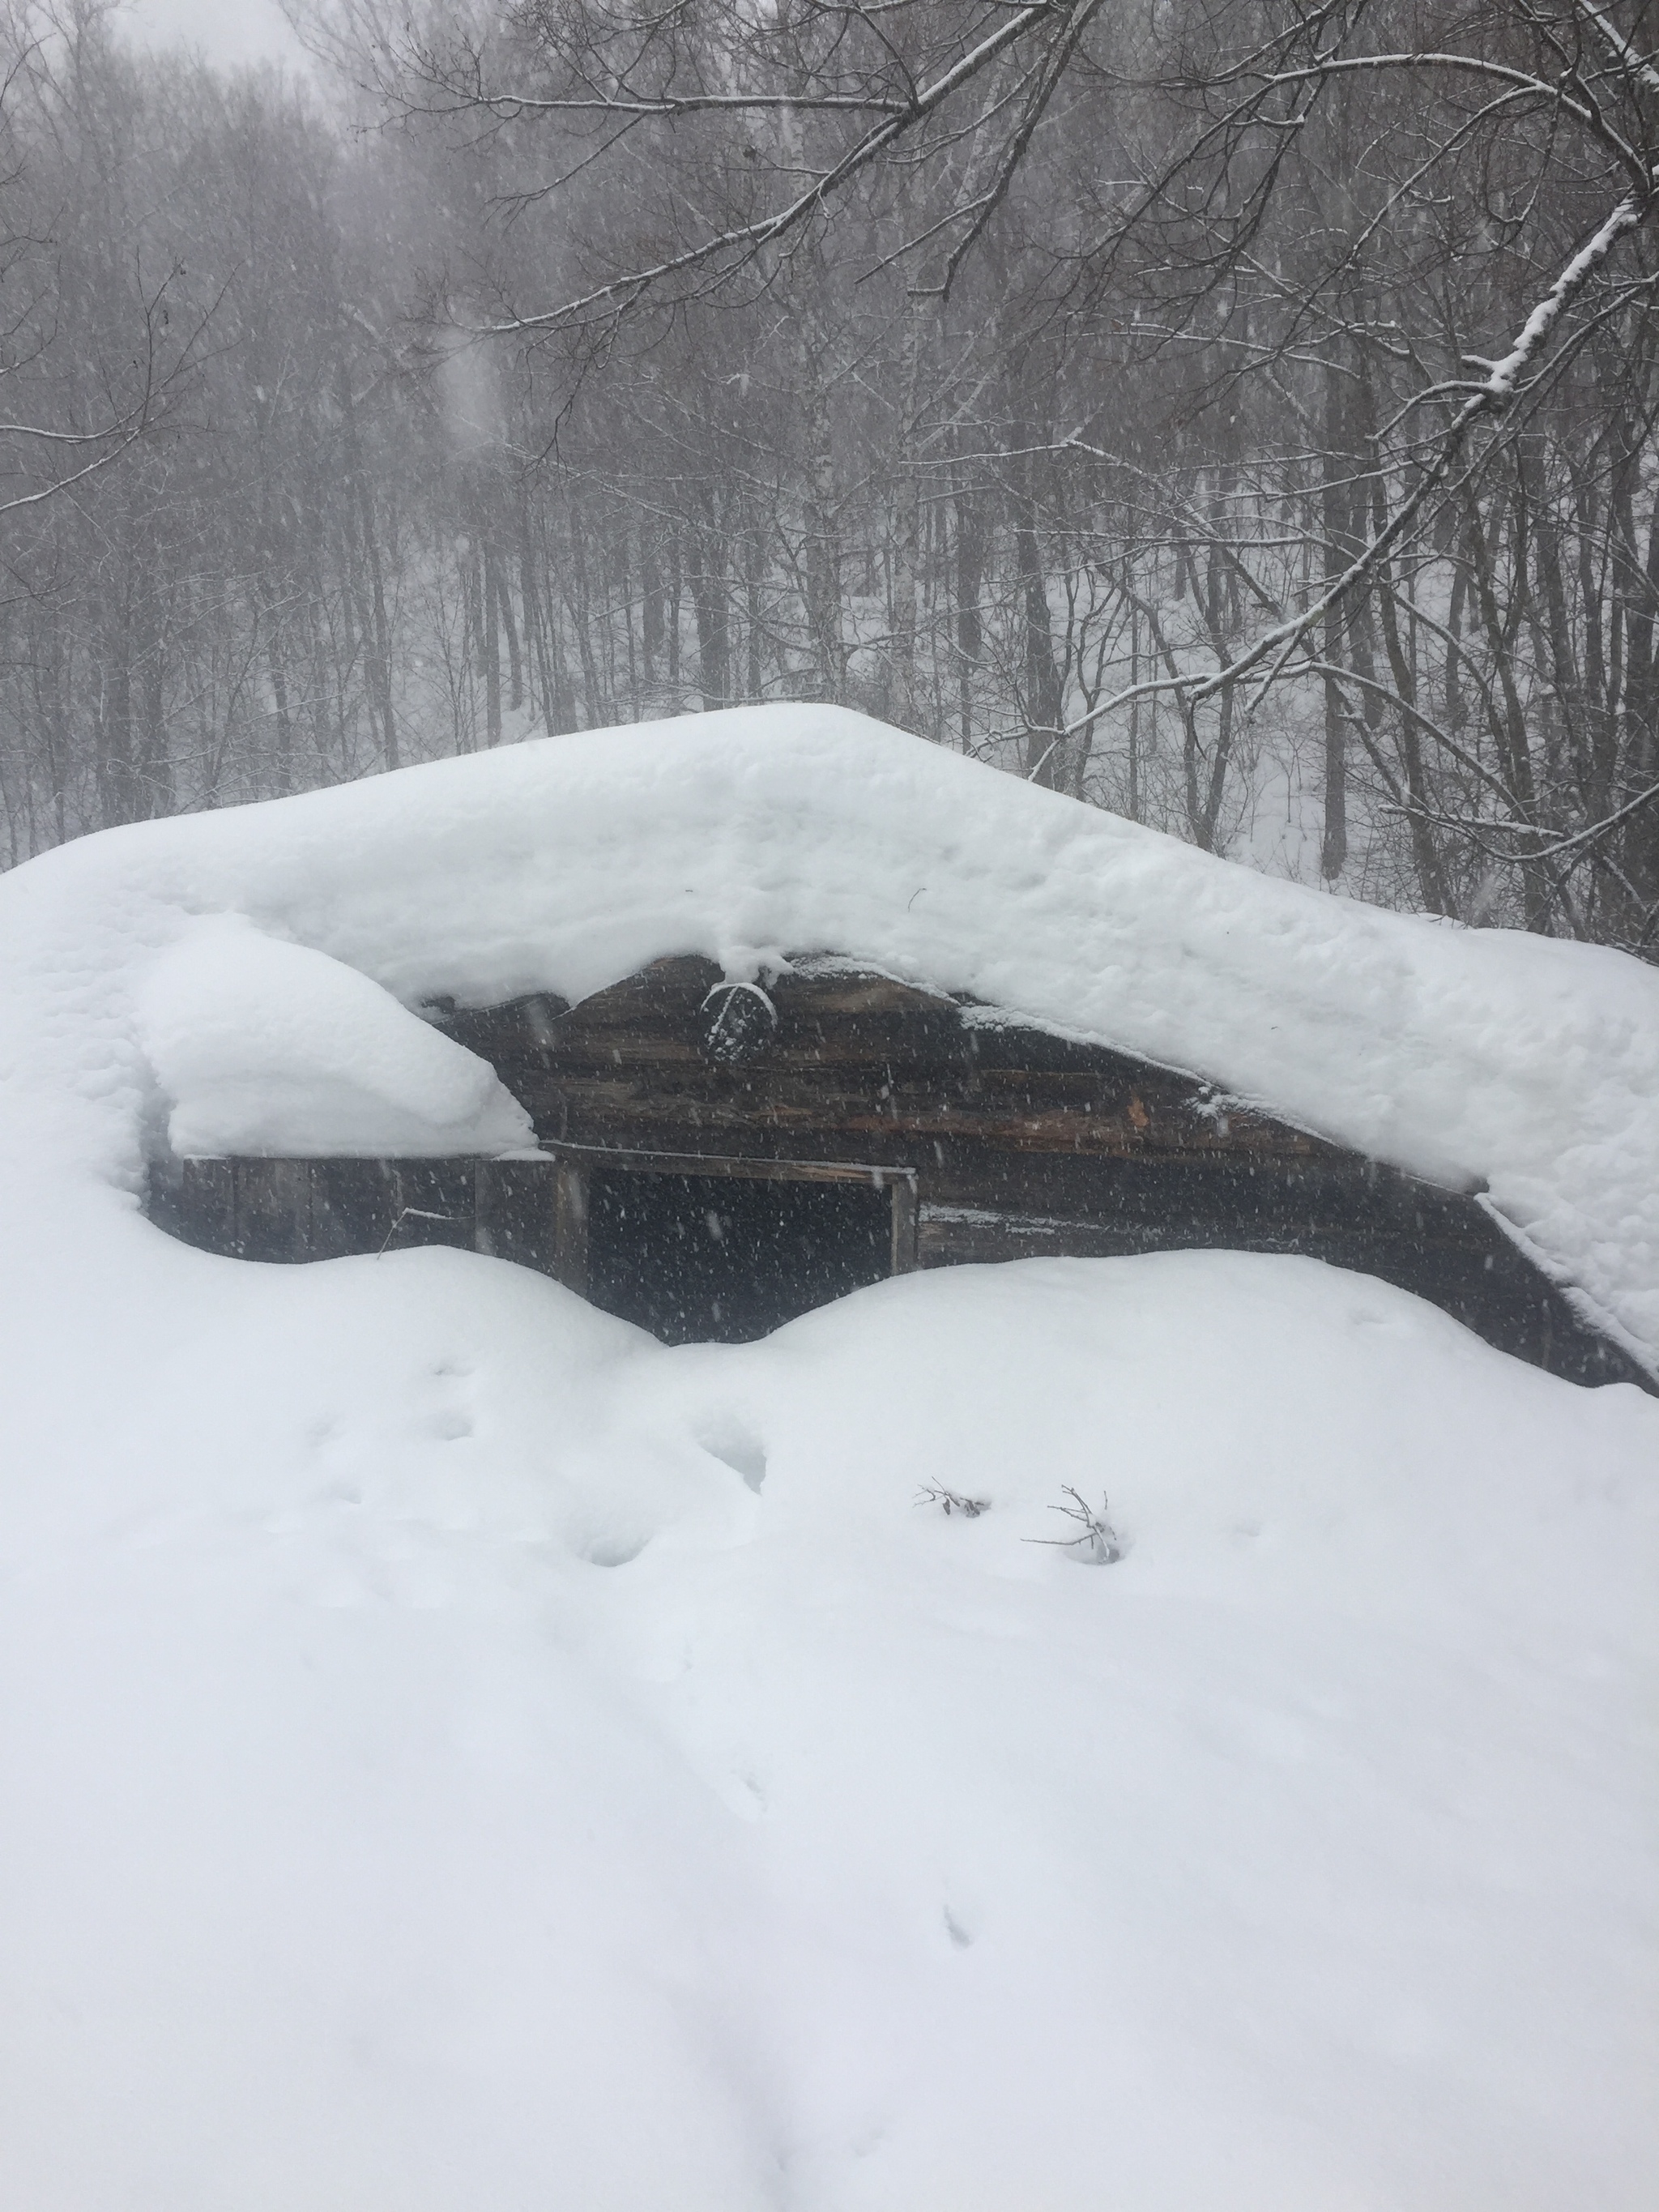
(737, 246)
(1639, 65)
(1489, 397)
(1544, 847)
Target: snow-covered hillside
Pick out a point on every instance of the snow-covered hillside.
(457, 1752)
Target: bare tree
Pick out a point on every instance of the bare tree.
(1478, 236)
(1239, 413)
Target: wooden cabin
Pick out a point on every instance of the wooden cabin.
(715, 1159)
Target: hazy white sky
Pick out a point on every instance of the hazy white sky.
(227, 31)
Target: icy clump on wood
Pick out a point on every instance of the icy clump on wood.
(269, 1047)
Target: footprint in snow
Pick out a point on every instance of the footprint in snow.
(735, 1445)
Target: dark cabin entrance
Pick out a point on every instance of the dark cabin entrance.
(726, 1258)
(696, 1248)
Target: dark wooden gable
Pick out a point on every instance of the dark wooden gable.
(821, 1061)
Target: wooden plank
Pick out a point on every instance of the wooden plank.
(748, 1168)
(516, 1214)
(1039, 1109)
(352, 1207)
(625, 1112)
(273, 1209)
(205, 1203)
(905, 1210)
(848, 995)
(483, 1194)
(570, 1213)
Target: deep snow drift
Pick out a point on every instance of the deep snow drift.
(267, 1046)
(455, 1752)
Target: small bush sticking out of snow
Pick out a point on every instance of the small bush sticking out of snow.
(1096, 1542)
(935, 1494)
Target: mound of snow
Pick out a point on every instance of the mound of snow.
(456, 1753)
(268, 1048)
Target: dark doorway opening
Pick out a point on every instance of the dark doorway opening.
(724, 1259)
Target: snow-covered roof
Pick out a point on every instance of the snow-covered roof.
(246, 978)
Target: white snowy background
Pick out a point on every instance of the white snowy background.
(455, 1752)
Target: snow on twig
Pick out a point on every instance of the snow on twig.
(952, 1501)
(623, 292)
(1638, 65)
(1489, 396)
(410, 1213)
(1097, 1541)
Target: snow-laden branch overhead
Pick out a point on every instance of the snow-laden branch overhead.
(1639, 65)
(742, 242)
(1490, 396)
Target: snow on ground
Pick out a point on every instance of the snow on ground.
(457, 1752)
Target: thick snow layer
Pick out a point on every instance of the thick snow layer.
(268, 1048)
(455, 1752)
(1484, 1059)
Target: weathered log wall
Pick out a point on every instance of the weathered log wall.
(989, 1141)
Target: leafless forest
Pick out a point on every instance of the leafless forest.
(1237, 413)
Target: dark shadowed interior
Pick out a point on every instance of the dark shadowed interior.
(713, 1259)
